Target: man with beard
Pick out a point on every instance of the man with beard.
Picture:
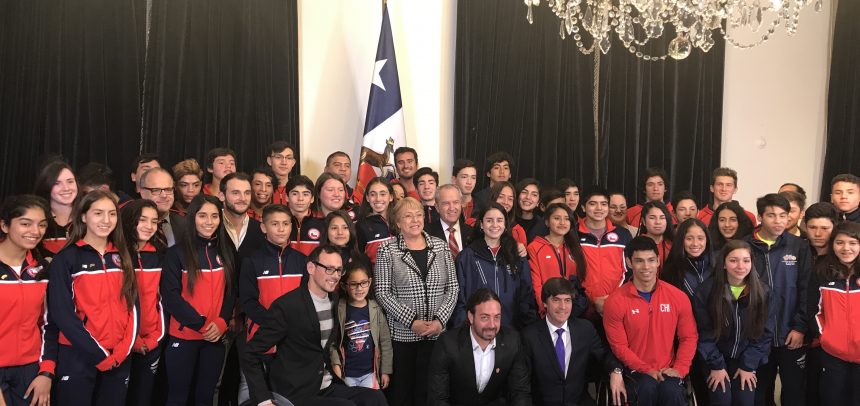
(156, 184)
(480, 363)
(406, 163)
(243, 230)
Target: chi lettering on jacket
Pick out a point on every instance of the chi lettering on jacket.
(664, 308)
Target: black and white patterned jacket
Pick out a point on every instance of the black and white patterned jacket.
(405, 295)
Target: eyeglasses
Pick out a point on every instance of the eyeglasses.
(279, 157)
(355, 285)
(158, 190)
(329, 270)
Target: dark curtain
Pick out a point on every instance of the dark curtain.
(522, 89)
(77, 79)
(843, 98)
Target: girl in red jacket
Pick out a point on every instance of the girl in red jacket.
(27, 364)
(92, 297)
(834, 299)
(197, 287)
(139, 222)
(56, 183)
(558, 253)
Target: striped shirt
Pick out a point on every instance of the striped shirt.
(324, 314)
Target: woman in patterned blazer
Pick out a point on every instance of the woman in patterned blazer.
(416, 284)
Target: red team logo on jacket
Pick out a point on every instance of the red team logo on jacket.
(218, 260)
(115, 259)
(314, 234)
(612, 237)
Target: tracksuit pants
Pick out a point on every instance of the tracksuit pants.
(193, 366)
(80, 383)
(143, 371)
(791, 367)
(840, 381)
(14, 382)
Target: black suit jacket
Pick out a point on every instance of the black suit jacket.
(254, 239)
(452, 378)
(435, 229)
(296, 371)
(549, 385)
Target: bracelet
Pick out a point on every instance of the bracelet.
(47, 374)
(616, 371)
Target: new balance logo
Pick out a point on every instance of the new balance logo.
(175, 345)
(664, 308)
(64, 378)
(266, 272)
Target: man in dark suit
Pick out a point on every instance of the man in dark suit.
(481, 363)
(156, 184)
(450, 227)
(559, 349)
(301, 325)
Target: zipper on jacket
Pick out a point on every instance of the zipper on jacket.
(737, 331)
(770, 280)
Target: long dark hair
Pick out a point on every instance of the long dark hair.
(507, 243)
(673, 271)
(365, 210)
(745, 225)
(17, 206)
(47, 177)
(669, 233)
(721, 298)
(522, 185)
(496, 190)
(831, 269)
(117, 237)
(130, 217)
(571, 239)
(351, 245)
(223, 244)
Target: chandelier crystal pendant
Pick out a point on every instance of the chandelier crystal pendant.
(695, 22)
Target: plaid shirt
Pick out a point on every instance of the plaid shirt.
(405, 295)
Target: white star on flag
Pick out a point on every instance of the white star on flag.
(377, 80)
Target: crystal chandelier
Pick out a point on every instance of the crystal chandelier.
(636, 22)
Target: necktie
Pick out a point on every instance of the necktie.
(159, 240)
(452, 242)
(559, 348)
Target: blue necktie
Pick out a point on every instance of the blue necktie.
(559, 349)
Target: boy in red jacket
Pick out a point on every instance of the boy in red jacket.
(642, 319)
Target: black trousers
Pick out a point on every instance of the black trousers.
(341, 395)
(840, 381)
(192, 365)
(142, 380)
(408, 385)
(813, 376)
(14, 382)
(647, 391)
(791, 367)
(80, 383)
(733, 395)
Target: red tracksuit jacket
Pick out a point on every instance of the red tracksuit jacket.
(548, 262)
(148, 272)
(306, 234)
(210, 302)
(25, 334)
(642, 334)
(604, 259)
(837, 314)
(84, 300)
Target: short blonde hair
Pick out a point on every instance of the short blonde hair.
(402, 205)
(187, 167)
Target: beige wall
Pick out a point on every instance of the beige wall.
(337, 49)
(774, 109)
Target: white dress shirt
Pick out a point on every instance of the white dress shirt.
(565, 337)
(485, 361)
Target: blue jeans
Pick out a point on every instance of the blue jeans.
(366, 381)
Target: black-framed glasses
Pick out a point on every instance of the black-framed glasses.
(330, 270)
(158, 190)
(355, 285)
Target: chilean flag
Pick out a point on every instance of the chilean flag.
(383, 127)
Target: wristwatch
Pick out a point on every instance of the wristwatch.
(617, 371)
